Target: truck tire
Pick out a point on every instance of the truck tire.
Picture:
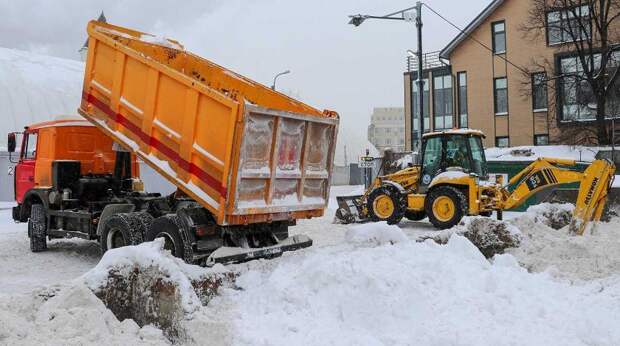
(37, 228)
(387, 203)
(445, 206)
(121, 230)
(141, 222)
(415, 215)
(175, 235)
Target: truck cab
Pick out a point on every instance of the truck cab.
(53, 153)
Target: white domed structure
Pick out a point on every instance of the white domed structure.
(35, 88)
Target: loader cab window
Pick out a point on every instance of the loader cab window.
(478, 159)
(433, 151)
(457, 153)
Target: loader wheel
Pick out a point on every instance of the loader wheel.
(121, 230)
(415, 215)
(386, 203)
(445, 206)
(176, 239)
(37, 228)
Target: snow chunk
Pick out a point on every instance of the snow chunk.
(377, 233)
(554, 215)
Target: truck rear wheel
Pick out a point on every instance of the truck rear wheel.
(445, 206)
(176, 240)
(121, 230)
(37, 228)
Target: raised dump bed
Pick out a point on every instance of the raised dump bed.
(246, 153)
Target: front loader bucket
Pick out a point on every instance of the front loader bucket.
(592, 196)
(350, 209)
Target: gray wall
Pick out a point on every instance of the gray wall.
(153, 182)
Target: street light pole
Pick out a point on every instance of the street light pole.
(418, 23)
(358, 19)
(273, 86)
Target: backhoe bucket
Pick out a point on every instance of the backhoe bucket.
(593, 190)
(350, 209)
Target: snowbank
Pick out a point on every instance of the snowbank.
(415, 293)
(35, 88)
(531, 153)
(377, 233)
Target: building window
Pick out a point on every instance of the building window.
(577, 99)
(541, 140)
(567, 25)
(388, 141)
(500, 92)
(502, 142)
(499, 37)
(442, 102)
(462, 95)
(539, 91)
(416, 106)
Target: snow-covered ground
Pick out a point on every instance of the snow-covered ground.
(369, 284)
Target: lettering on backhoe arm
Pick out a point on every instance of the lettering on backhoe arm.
(591, 191)
(541, 178)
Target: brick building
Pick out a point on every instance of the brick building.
(503, 89)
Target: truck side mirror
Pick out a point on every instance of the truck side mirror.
(11, 142)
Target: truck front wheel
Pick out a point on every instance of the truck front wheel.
(172, 230)
(37, 228)
(121, 230)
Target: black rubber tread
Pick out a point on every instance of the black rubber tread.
(128, 224)
(415, 215)
(142, 222)
(399, 200)
(459, 199)
(37, 228)
(174, 226)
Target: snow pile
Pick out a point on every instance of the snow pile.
(378, 233)
(415, 293)
(531, 153)
(554, 215)
(564, 255)
(147, 284)
(35, 88)
(68, 316)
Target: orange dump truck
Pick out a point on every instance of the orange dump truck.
(247, 161)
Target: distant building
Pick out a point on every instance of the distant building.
(387, 129)
(84, 50)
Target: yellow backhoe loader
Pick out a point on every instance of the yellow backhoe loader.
(452, 182)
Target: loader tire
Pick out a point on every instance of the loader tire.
(387, 203)
(415, 215)
(121, 230)
(175, 235)
(445, 206)
(37, 228)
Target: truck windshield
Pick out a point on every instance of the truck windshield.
(478, 158)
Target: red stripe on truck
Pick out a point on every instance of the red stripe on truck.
(157, 144)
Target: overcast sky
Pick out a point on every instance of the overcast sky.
(334, 65)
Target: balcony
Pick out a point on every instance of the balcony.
(430, 60)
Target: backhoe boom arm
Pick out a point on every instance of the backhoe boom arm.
(594, 184)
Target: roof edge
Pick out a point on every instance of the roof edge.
(473, 25)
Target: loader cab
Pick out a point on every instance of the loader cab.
(452, 150)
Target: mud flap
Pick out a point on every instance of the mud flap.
(350, 209)
(226, 255)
